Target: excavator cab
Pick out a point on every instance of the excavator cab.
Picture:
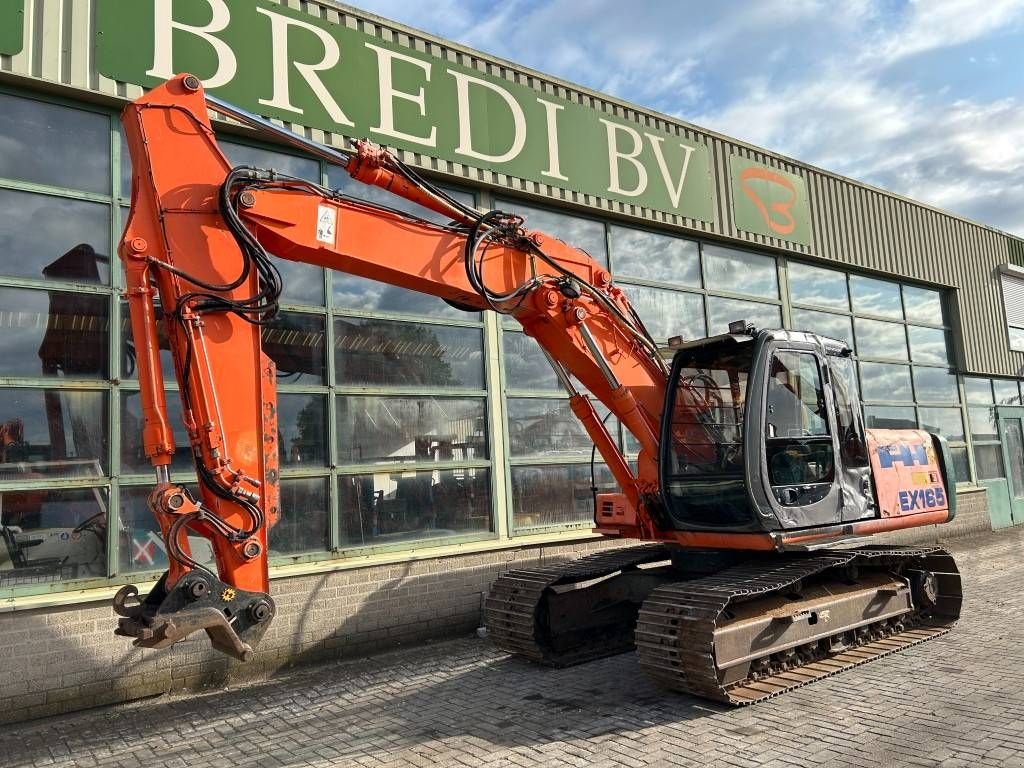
(762, 432)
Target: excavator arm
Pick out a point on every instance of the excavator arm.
(197, 245)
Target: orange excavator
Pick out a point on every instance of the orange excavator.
(754, 469)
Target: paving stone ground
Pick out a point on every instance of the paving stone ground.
(955, 701)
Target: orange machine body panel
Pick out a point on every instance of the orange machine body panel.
(908, 477)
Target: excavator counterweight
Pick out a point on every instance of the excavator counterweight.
(754, 462)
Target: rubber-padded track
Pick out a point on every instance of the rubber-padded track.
(676, 627)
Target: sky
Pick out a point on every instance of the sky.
(921, 97)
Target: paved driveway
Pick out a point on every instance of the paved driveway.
(955, 701)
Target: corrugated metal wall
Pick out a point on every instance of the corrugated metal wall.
(854, 225)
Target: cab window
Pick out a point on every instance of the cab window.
(798, 443)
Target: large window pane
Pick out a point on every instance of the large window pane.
(887, 417)
(818, 286)
(1006, 391)
(297, 345)
(375, 429)
(526, 367)
(726, 269)
(585, 234)
(52, 238)
(52, 535)
(824, 324)
(133, 452)
(302, 284)
(50, 144)
(983, 423)
(302, 430)
(878, 339)
(988, 459)
(961, 464)
(652, 256)
(885, 383)
(53, 333)
(351, 292)
(947, 422)
(51, 433)
(303, 524)
(978, 391)
(542, 428)
(928, 345)
(556, 495)
(268, 159)
(391, 507)
(668, 313)
(397, 354)
(876, 297)
(922, 305)
(935, 385)
(721, 312)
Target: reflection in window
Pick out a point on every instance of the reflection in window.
(52, 535)
(303, 524)
(53, 238)
(1006, 391)
(351, 292)
(302, 430)
(726, 269)
(393, 353)
(922, 305)
(989, 461)
(423, 429)
(947, 422)
(884, 382)
(928, 345)
(302, 284)
(526, 366)
(396, 506)
(141, 545)
(297, 345)
(878, 339)
(721, 312)
(551, 495)
(824, 324)
(268, 159)
(978, 391)
(961, 464)
(54, 145)
(133, 453)
(814, 285)
(668, 313)
(52, 434)
(883, 417)
(53, 333)
(585, 234)
(652, 256)
(876, 297)
(983, 423)
(543, 427)
(935, 385)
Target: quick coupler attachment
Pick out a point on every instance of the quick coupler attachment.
(234, 620)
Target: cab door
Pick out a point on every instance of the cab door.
(800, 446)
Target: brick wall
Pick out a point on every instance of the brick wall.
(56, 660)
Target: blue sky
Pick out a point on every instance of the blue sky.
(923, 98)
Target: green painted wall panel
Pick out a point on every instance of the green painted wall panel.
(12, 26)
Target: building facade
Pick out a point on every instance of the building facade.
(423, 449)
